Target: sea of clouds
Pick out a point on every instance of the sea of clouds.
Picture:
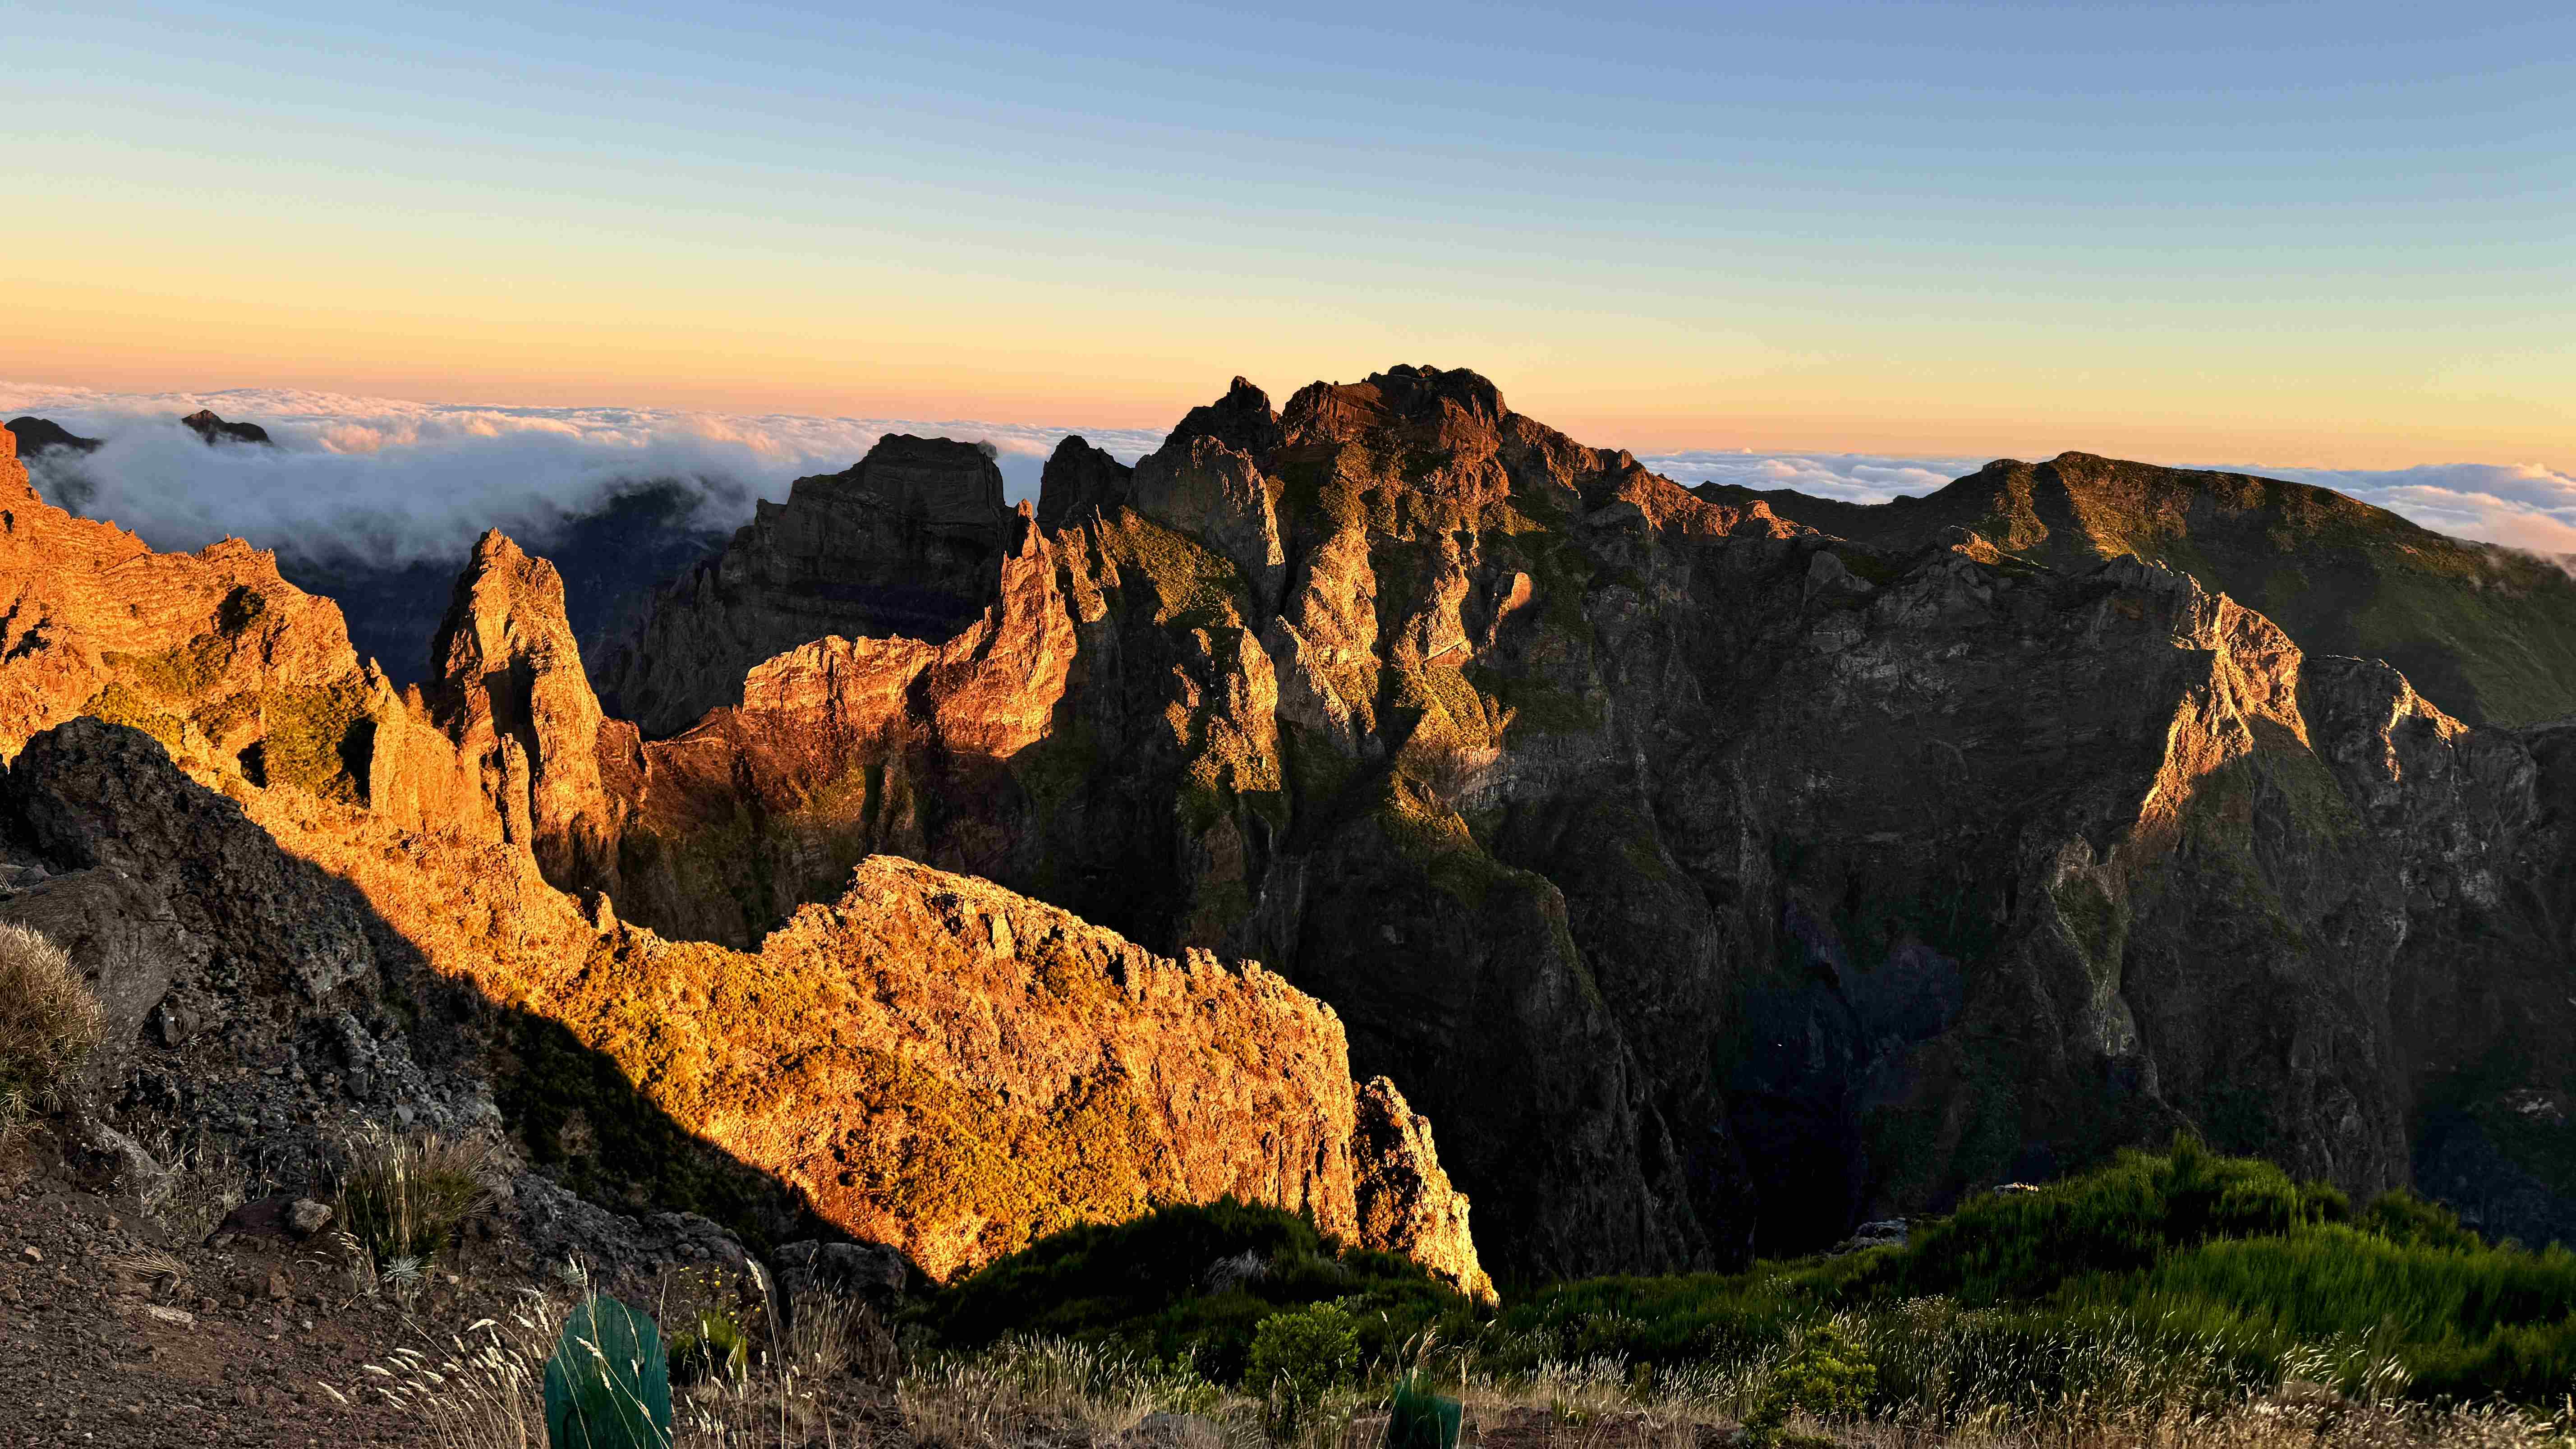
(392, 482)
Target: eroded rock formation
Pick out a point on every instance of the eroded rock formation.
(2488, 631)
(931, 1062)
(1710, 879)
(905, 542)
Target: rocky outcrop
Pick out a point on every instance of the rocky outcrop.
(1406, 1203)
(512, 696)
(215, 430)
(43, 435)
(949, 1068)
(1080, 481)
(1713, 881)
(2488, 631)
(908, 542)
(975, 1068)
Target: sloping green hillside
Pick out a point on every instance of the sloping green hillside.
(2223, 1265)
(2487, 633)
(2176, 1274)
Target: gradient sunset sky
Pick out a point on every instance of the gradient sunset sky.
(2331, 234)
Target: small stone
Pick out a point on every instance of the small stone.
(32, 1253)
(179, 1316)
(305, 1217)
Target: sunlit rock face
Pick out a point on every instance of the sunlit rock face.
(250, 841)
(908, 541)
(1711, 880)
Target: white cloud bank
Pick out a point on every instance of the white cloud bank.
(397, 482)
(393, 481)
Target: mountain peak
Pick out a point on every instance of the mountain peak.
(33, 435)
(1242, 420)
(213, 429)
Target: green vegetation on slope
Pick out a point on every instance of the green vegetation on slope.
(2223, 1261)
(1194, 1283)
(2177, 1275)
(2487, 633)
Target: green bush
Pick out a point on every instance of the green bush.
(1829, 1377)
(2002, 1246)
(715, 1345)
(2402, 1217)
(1144, 1286)
(1299, 1355)
(1420, 1419)
(2203, 1276)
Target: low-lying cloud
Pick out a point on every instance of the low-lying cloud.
(391, 482)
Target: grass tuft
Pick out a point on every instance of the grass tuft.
(407, 1199)
(49, 1022)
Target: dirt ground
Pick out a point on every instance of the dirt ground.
(115, 1331)
(112, 1334)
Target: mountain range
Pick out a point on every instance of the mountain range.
(1711, 869)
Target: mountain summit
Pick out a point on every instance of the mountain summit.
(2486, 631)
(1717, 878)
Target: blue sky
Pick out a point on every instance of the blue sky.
(2311, 233)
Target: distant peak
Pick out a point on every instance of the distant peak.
(213, 429)
(1242, 420)
(42, 435)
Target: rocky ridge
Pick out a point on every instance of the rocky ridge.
(2488, 631)
(905, 542)
(350, 919)
(1714, 881)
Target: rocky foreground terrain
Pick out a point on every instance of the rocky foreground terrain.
(1713, 872)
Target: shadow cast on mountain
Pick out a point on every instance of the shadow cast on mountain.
(259, 1007)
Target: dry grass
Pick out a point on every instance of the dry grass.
(49, 1022)
(200, 1182)
(407, 1198)
(484, 1388)
(1032, 1392)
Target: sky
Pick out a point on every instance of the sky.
(2290, 235)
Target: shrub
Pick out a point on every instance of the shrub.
(2402, 1217)
(1299, 1355)
(49, 1023)
(1146, 1286)
(1417, 1418)
(713, 1346)
(2120, 1219)
(1829, 1377)
(2184, 1277)
(407, 1198)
